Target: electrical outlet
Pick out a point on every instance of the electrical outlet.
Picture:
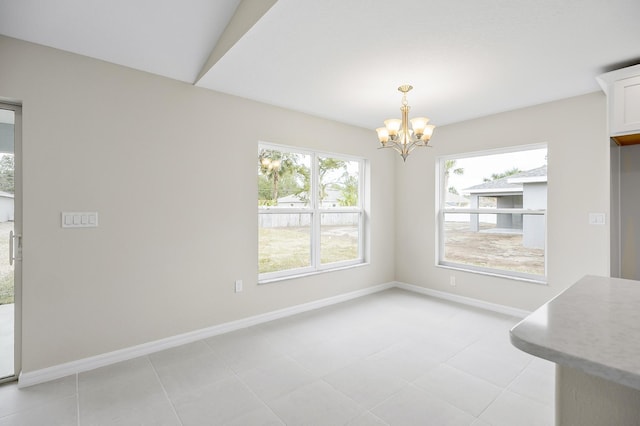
(452, 280)
(238, 286)
(596, 218)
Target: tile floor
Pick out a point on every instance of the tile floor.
(6, 339)
(392, 358)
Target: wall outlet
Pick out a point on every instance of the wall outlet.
(452, 280)
(596, 218)
(238, 286)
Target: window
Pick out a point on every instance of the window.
(310, 211)
(492, 212)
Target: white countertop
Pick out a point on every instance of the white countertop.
(593, 326)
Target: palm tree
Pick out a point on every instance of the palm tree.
(496, 176)
(274, 165)
(450, 167)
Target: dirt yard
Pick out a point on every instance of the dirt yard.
(491, 250)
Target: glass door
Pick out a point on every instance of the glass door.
(10, 243)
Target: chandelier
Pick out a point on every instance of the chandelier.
(396, 133)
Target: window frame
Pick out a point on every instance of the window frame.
(442, 209)
(316, 211)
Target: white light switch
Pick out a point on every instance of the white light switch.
(596, 219)
(79, 219)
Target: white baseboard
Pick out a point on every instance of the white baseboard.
(58, 371)
(507, 310)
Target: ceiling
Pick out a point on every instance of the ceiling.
(344, 59)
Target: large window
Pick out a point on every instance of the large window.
(492, 212)
(309, 211)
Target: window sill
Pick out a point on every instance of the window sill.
(541, 281)
(308, 274)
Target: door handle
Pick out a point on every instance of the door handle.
(15, 240)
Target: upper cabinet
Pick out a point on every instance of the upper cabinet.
(623, 103)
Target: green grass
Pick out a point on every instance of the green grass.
(6, 288)
(283, 248)
(289, 248)
(338, 248)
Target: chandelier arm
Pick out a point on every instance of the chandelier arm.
(395, 146)
(400, 149)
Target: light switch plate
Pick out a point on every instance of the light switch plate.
(596, 218)
(79, 219)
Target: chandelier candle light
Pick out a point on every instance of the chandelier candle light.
(396, 133)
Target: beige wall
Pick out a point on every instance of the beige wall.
(629, 208)
(162, 161)
(578, 160)
(171, 169)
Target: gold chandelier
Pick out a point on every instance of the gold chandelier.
(396, 133)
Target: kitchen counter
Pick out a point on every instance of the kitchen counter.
(593, 326)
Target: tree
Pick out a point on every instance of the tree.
(506, 173)
(348, 191)
(274, 166)
(450, 167)
(7, 173)
(325, 165)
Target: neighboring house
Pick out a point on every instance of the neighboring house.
(456, 200)
(525, 190)
(6, 207)
(303, 219)
(331, 200)
(290, 201)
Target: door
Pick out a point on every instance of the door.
(10, 241)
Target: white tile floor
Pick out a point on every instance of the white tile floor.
(392, 358)
(6, 340)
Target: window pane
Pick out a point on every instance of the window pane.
(510, 242)
(502, 242)
(339, 237)
(339, 182)
(284, 241)
(284, 179)
(309, 209)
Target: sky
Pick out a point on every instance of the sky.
(6, 116)
(477, 168)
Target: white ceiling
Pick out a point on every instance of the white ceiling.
(344, 59)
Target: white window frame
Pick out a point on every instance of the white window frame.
(441, 210)
(316, 211)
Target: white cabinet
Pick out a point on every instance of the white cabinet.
(623, 103)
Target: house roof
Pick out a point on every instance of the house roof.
(530, 176)
(511, 183)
